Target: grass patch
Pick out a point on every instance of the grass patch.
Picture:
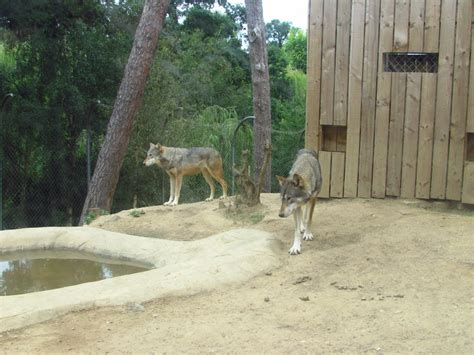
(246, 215)
(93, 214)
(256, 217)
(136, 213)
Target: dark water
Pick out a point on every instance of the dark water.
(34, 272)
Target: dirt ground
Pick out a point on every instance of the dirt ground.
(381, 276)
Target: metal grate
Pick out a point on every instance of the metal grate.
(409, 62)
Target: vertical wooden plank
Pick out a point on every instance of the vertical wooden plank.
(369, 94)
(457, 137)
(443, 102)
(342, 62)
(328, 62)
(313, 93)
(325, 162)
(395, 145)
(470, 111)
(412, 108)
(337, 174)
(397, 109)
(468, 183)
(354, 99)
(428, 102)
(382, 113)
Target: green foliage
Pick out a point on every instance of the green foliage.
(288, 135)
(256, 217)
(211, 24)
(277, 32)
(136, 213)
(63, 64)
(277, 67)
(7, 59)
(237, 13)
(93, 214)
(296, 49)
(178, 9)
(50, 18)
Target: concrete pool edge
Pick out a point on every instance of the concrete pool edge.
(182, 268)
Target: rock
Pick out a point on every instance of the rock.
(301, 280)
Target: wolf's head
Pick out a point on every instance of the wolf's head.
(153, 155)
(292, 194)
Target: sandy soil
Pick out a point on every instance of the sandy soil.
(381, 276)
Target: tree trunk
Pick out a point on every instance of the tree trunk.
(261, 86)
(249, 191)
(107, 170)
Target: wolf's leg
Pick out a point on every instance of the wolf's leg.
(217, 172)
(209, 181)
(308, 217)
(172, 189)
(177, 192)
(296, 248)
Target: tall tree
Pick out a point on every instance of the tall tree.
(277, 32)
(112, 153)
(260, 85)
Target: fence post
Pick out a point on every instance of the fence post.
(4, 101)
(241, 122)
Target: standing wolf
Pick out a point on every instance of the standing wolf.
(301, 188)
(179, 162)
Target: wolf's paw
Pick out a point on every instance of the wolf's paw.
(222, 197)
(295, 250)
(209, 199)
(166, 203)
(308, 236)
(174, 203)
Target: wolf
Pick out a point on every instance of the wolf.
(179, 162)
(299, 189)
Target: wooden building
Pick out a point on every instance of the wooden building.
(390, 99)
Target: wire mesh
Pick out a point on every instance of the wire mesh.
(47, 190)
(410, 62)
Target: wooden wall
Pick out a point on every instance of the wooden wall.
(408, 135)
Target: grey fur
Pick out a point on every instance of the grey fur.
(299, 189)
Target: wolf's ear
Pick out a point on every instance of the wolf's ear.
(298, 180)
(281, 180)
(159, 147)
(152, 145)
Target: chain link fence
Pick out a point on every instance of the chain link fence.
(149, 186)
(51, 191)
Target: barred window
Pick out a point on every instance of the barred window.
(410, 62)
